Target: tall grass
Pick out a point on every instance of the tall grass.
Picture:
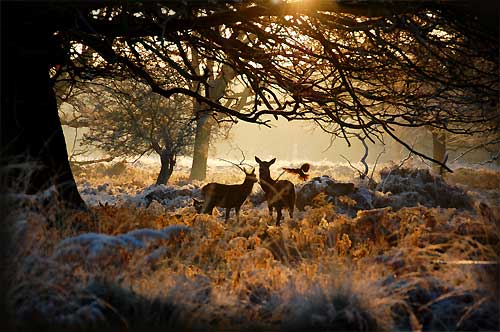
(380, 270)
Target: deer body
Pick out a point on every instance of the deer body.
(227, 196)
(279, 194)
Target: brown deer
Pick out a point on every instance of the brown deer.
(227, 196)
(279, 194)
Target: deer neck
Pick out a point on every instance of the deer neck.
(266, 176)
(247, 185)
(267, 183)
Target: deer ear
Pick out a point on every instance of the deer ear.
(272, 161)
(257, 159)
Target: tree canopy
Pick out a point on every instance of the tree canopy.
(125, 119)
(359, 69)
(347, 66)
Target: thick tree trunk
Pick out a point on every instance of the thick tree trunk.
(201, 145)
(438, 150)
(32, 140)
(204, 125)
(167, 167)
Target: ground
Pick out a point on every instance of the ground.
(417, 252)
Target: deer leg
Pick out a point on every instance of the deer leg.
(270, 210)
(228, 211)
(278, 218)
(237, 209)
(208, 207)
(290, 210)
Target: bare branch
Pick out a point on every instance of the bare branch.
(476, 147)
(237, 165)
(363, 158)
(93, 161)
(352, 166)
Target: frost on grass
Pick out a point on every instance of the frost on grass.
(93, 248)
(410, 187)
(398, 188)
(340, 264)
(171, 197)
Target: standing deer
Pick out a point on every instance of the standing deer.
(227, 196)
(279, 193)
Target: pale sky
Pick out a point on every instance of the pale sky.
(288, 141)
(295, 140)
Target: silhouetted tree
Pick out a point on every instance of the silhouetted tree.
(129, 121)
(350, 66)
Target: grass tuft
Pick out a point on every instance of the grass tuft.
(132, 266)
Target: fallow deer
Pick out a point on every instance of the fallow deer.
(279, 194)
(227, 196)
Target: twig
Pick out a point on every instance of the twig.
(363, 159)
(94, 161)
(74, 143)
(280, 176)
(352, 166)
(482, 145)
(375, 165)
(397, 167)
(140, 156)
(493, 159)
(237, 165)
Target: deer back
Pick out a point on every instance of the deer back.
(228, 195)
(281, 192)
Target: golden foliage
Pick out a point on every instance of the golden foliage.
(382, 266)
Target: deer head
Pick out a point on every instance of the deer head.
(264, 171)
(250, 175)
(198, 205)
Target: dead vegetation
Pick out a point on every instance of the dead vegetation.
(424, 267)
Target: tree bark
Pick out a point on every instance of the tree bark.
(32, 140)
(438, 150)
(204, 124)
(201, 145)
(167, 167)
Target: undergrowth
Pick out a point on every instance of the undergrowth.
(133, 267)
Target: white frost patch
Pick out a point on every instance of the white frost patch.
(102, 194)
(93, 246)
(170, 197)
(322, 182)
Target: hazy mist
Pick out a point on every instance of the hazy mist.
(292, 140)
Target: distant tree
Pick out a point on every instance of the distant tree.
(351, 66)
(130, 121)
(221, 80)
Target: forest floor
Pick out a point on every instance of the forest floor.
(414, 252)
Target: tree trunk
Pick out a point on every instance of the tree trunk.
(204, 125)
(203, 130)
(167, 167)
(438, 150)
(32, 135)
(201, 145)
